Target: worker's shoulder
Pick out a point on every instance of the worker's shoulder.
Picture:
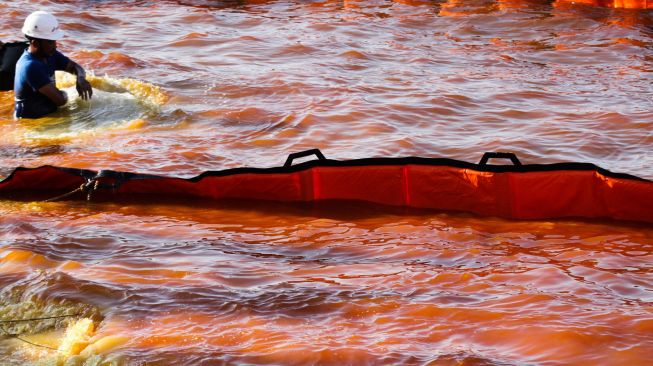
(25, 58)
(28, 65)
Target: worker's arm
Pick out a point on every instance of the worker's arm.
(57, 96)
(83, 86)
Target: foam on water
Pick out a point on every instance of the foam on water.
(116, 104)
(42, 329)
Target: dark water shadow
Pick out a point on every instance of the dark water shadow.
(343, 210)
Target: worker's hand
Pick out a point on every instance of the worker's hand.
(84, 88)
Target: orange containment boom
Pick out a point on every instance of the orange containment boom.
(617, 4)
(534, 191)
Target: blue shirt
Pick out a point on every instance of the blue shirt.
(31, 75)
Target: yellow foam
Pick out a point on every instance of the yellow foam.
(143, 91)
(77, 337)
(104, 345)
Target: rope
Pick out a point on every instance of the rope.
(33, 319)
(95, 184)
(88, 186)
(17, 336)
(65, 195)
(32, 343)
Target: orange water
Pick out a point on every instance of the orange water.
(220, 84)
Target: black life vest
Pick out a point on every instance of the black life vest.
(9, 55)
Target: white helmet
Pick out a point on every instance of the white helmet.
(42, 25)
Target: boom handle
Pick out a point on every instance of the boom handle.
(303, 154)
(499, 155)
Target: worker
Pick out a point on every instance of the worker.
(36, 93)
